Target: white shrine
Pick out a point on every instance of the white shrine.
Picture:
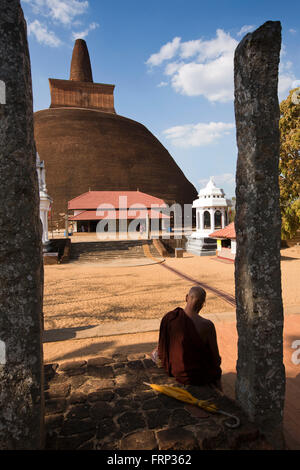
(211, 214)
(45, 200)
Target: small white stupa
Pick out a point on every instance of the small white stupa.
(211, 214)
(45, 200)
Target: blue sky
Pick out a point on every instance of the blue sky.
(171, 62)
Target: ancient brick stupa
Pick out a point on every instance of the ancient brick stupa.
(87, 146)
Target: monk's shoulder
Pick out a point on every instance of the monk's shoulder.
(207, 324)
(171, 315)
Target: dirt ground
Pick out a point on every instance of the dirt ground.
(87, 295)
(82, 295)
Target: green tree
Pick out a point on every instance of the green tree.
(289, 164)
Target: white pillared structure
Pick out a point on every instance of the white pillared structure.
(211, 214)
(45, 199)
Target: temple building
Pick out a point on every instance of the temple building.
(120, 210)
(226, 242)
(211, 214)
(87, 146)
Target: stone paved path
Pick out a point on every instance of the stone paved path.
(103, 404)
(118, 380)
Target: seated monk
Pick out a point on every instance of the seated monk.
(187, 347)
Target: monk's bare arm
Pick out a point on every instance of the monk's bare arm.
(212, 343)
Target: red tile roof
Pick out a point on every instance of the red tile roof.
(93, 199)
(226, 232)
(131, 214)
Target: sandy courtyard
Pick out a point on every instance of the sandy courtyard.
(85, 295)
(88, 295)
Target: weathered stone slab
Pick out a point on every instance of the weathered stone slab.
(260, 383)
(78, 426)
(157, 419)
(131, 421)
(56, 405)
(118, 418)
(152, 404)
(58, 391)
(135, 365)
(77, 397)
(144, 440)
(100, 410)
(181, 417)
(106, 428)
(136, 357)
(99, 361)
(94, 385)
(73, 442)
(104, 372)
(101, 395)
(53, 421)
(21, 266)
(176, 439)
(73, 367)
(78, 411)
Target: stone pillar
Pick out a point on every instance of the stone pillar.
(44, 210)
(212, 219)
(147, 228)
(21, 263)
(202, 220)
(222, 218)
(260, 386)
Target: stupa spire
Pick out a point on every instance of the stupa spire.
(81, 70)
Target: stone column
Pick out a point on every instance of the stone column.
(202, 219)
(222, 218)
(21, 264)
(260, 386)
(212, 219)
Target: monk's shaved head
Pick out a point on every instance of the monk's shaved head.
(197, 297)
(197, 291)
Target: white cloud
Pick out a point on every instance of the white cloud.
(166, 52)
(285, 84)
(85, 32)
(226, 181)
(221, 45)
(205, 67)
(62, 11)
(245, 29)
(286, 79)
(190, 48)
(214, 79)
(200, 67)
(196, 135)
(51, 14)
(42, 35)
(292, 31)
(225, 178)
(65, 11)
(173, 67)
(162, 84)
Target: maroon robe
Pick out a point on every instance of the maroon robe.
(182, 352)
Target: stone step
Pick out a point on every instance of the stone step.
(95, 251)
(197, 247)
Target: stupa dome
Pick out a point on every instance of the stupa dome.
(211, 196)
(211, 190)
(87, 146)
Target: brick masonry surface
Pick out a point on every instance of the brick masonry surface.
(103, 404)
